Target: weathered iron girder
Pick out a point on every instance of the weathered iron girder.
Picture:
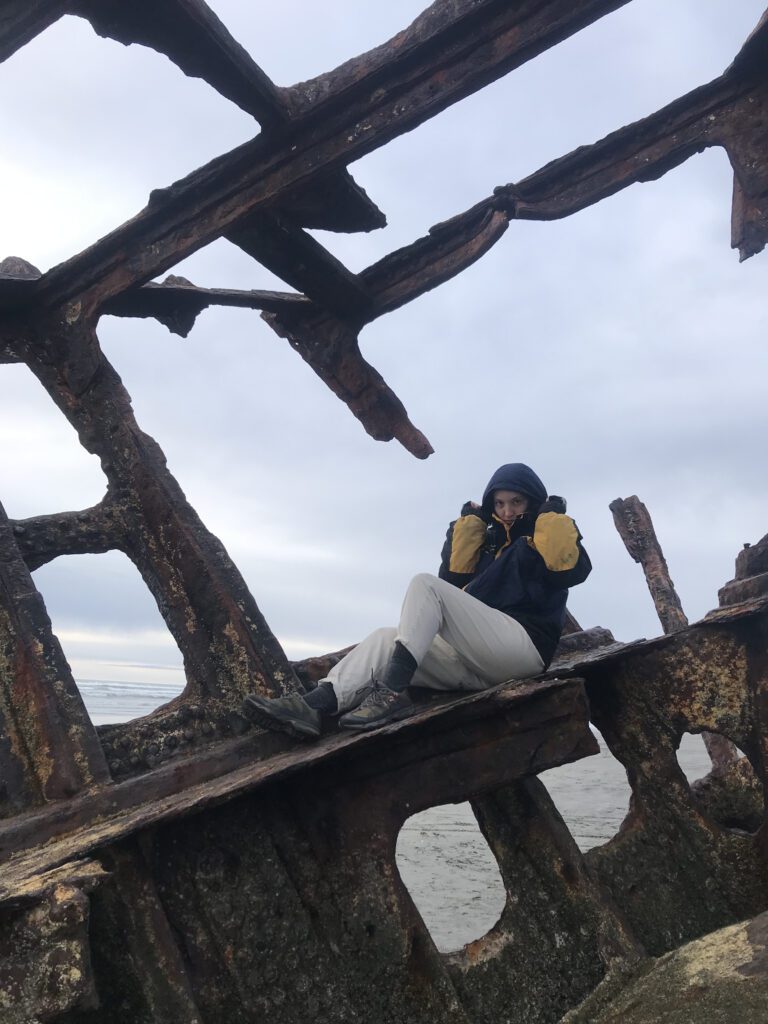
(49, 749)
(525, 728)
(229, 855)
(727, 112)
(226, 644)
(476, 43)
(306, 837)
(176, 302)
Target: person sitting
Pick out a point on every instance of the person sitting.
(495, 612)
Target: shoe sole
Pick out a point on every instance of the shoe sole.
(292, 727)
(366, 726)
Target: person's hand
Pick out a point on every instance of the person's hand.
(554, 503)
(471, 508)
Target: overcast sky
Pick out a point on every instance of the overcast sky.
(620, 351)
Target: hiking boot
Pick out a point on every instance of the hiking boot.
(382, 705)
(291, 715)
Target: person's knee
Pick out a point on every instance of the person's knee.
(423, 581)
(384, 635)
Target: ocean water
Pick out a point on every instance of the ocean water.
(442, 857)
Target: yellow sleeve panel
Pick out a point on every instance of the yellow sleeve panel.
(555, 537)
(468, 538)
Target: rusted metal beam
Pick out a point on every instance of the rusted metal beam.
(636, 153)
(301, 261)
(751, 577)
(45, 963)
(636, 530)
(539, 724)
(129, 926)
(674, 871)
(453, 54)
(17, 277)
(451, 50)
(331, 349)
(93, 531)
(642, 151)
(449, 248)
(177, 303)
(730, 112)
(190, 34)
(330, 344)
(752, 58)
(80, 874)
(333, 202)
(8, 350)
(540, 865)
(227, 646)
(22, 20)
(48, 747)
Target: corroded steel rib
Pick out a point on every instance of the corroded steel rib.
(449, 248)
(301, 261)
(227, 646)
(192, 36)
(8, 349)
(636, 530)
(526, 727)
(330, 347)
(90, 531)
(641, 151)
(333, 202)
(451, 50)
(48, 748)
(176, 302)
(459, 55)
(330, 344)
(731, 112)
(22, 20)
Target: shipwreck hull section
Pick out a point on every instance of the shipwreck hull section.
(280, 897)
(186, 867)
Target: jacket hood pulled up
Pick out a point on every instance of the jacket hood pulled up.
(515, 476)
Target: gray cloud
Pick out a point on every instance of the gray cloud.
(620, 351)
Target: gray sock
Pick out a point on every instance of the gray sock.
(322, 699)
(400, 668)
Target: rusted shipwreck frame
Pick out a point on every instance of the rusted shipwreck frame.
(186, 868)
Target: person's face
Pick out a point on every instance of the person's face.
(509, 505)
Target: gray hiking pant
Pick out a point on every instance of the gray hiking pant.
(458, 643)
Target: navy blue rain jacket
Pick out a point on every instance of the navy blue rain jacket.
(524, 570)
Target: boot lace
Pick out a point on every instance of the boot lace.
(380, 695)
